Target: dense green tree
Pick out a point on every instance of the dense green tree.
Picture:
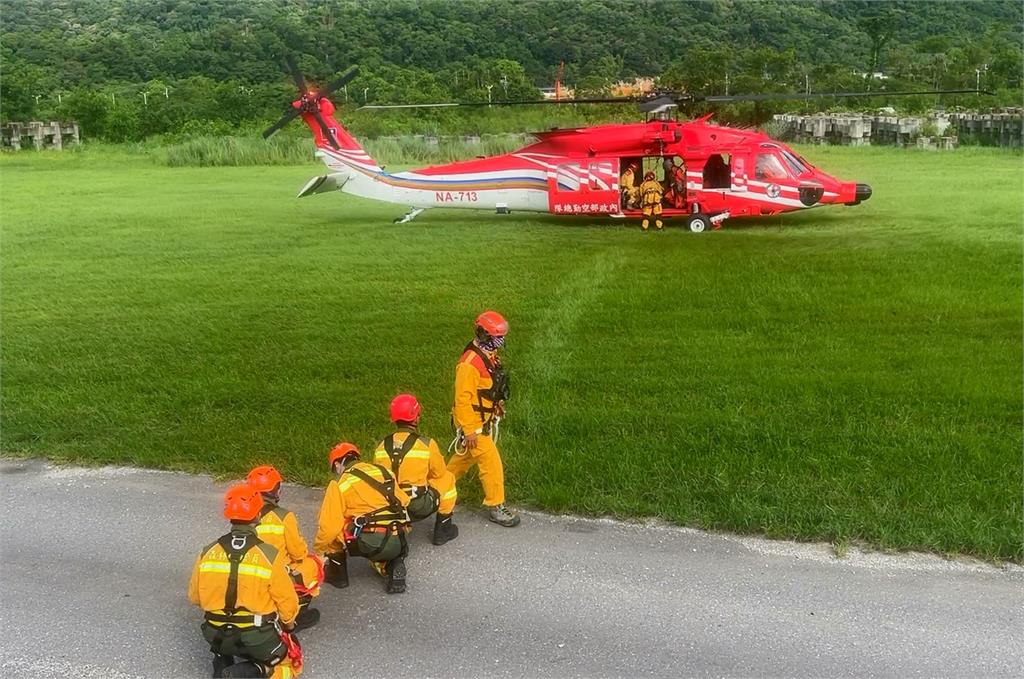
(220, 60)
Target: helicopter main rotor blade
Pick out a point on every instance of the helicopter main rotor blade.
(293, 68)
(725, 98)
(285, 119)
(326, 130)
(340, 82)
(529, 102)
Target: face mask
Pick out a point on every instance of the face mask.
(492, 343)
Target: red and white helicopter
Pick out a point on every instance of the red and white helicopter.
(729, 172)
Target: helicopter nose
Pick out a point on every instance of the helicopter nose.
(863, 192)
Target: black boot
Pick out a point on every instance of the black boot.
(306, 618)
(220, 662)
(394, 583)
(247, 669)
(445, 529)
(336, 570)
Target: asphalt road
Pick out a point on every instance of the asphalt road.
(95, 565)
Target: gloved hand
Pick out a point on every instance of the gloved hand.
(288, 626)
(412, 491)
(470, 441)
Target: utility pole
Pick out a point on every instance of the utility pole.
(59, 100)
(489, 94)
(365, 90)
(38, 97)
(807, 83)
(727, 83)
(344, 88)
(504, 83)
(166, 94)
(145, 98)
(113, 99)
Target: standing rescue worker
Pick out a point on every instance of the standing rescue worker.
(363, 514)
(416, 461)
(280, 528)
(242, 585)
(630, 192)
(481, 390)
(651, 193)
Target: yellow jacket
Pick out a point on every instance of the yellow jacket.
(627, 180)
(264, 585)
(471, 377)
(652, 191)
(280, 528)
(346, 498)
(422, 463)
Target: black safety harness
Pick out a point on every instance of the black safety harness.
(418, 508)
(498, 392)
(236, 546)
(397, 455)
(392, 517)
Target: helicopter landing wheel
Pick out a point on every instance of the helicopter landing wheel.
(698, 223)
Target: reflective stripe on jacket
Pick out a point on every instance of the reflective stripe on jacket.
(280, 528)
(346, 498)
(263, 584)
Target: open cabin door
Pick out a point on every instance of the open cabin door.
(586, 186)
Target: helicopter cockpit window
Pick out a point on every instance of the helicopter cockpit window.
(769, 167)
(796, 164)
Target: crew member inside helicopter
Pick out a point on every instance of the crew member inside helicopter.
(768, 168)
(675, 183)
(630, 189)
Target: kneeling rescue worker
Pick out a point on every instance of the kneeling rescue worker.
(363, 514)
(481, 390)
(416, 462)
(280, 528)
(242, 584)
(651, 193)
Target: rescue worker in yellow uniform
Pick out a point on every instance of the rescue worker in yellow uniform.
(651, 193)
(242, 585)
(675, 184)
(363, 514)
(280, 528)
(630, 191)
(481, 390)
(416, 461)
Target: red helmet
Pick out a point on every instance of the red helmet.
(242, 502)
(340, 452)
(265, 479)
(405, 408)
(493, 323)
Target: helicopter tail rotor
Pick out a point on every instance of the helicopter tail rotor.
(311, 101)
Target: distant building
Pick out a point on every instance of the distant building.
(551, 92)
(877, 75)
(631, 89)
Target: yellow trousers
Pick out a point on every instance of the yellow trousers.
(492, 474)
(308, 571)
(445, 487)
(284, 670)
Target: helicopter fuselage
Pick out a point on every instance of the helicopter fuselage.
(729, 173)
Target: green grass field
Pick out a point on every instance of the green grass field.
(846, 374)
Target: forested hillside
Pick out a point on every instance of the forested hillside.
(127, 69)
